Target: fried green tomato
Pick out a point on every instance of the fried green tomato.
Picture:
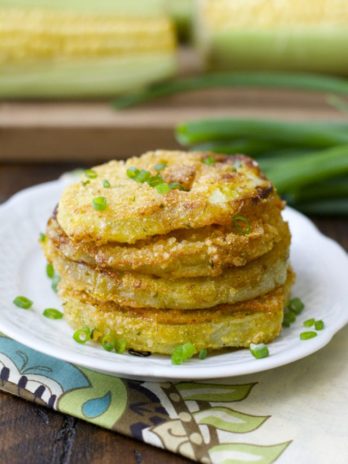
(254, 321)
(160, 192)
(140, 290)
(204, 252)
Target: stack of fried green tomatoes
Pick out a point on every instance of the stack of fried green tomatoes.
(171, 248)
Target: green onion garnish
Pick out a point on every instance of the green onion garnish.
(142, 176)
(296, 305)
(242, 224)
(52, 313)
(83, 335)
(132, 172)
(160, 166)
(55, 282)
(309, 322)
(209, 160)
(50, 270)
(162, 188)
(319, 325)
(120, 346)
(99, 203)
(106, 184)
(203, 353)
(175, 186)
(307, 335)
(42, 237)
(86, 182)
(183, 352)
(108, 342)
(155, 180)
(91, 174)
(23, 302)
(259, 351)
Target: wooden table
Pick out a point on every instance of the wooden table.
(32, 434)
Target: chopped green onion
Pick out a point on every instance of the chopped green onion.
(319, 325)
(296, 305)
(52, 313)
(42, 237)
(183, 352)
(155, 180)
(160, 166)
(242, 224)
(289, 318)
(176, 186)
(259, 351)
(120, 346)
(50, 270)
(108, 342)
(203, 353)
(91, 174)
(209, 160)
(99, 203)
(307, 335)
(55, 282)
(86, 182)
(132, 172)
(163, 188)
(142, 176)
(309, 322)
(23, 302)
(83, 335)
(106, 184)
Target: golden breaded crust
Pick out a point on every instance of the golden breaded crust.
(140, 290)
(254, 321)
(136, 211)
(183, 253)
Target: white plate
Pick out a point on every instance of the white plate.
(320, 264)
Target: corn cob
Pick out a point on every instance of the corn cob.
(273, 34)
(77, 53)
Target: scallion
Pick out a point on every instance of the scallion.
(91, 174)
(203, 353)
(108, 342)
(319, 325)
(52, 313)
(99, 203)
(106, 184)
(132, 172)
(50, 270)
(23, 302)
(259, 351)
(120, 346)
(42, 237)
(182, 353)
(83, 335)
(296, 305)
(307, 335)
(309, 322)
(162, 188)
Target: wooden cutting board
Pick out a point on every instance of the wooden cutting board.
(93, 131)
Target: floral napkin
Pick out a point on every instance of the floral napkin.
(293, 414)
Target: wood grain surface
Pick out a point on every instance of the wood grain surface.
(32, 434)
